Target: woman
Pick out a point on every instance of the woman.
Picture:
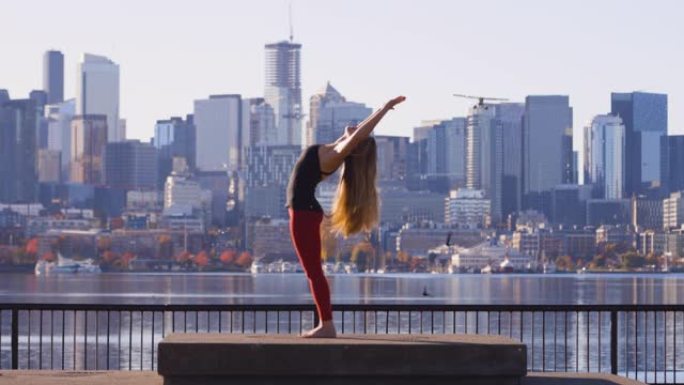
(355, 207)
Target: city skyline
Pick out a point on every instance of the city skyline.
(162, 71)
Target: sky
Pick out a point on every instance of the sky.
(173, 52)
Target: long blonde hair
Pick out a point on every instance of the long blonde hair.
(355, 207)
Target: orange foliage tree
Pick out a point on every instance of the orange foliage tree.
(244, 260)
(228, 257)
(201, 259)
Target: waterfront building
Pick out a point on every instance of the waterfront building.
(605, 157)
(527, 242)
(222, 130)
(673, 211)
(88, 140)
(53, 76)
(579, 243)
(615, 234)
(487, 254)
(183, 196)
(651, 242)
(467, 208)
(97, 92)
(283, 90)
(269, 239)
(547, 149)
(646, 213)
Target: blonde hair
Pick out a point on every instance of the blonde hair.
(355, 207)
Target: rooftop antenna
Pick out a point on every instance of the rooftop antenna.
(290, 16)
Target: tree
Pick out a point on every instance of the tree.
(632, 260)
(565, 263)
(201, 260)
(228, 257)
(244, 260)
(362, 255)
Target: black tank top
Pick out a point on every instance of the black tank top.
(303, 181)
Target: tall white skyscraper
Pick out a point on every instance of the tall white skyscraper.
(221, 123)
(283, 90)
(97, 92)
(484, 155)
(605, 161)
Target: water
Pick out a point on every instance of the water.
(91, 340)
(223, 288)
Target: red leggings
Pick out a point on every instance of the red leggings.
(306, 236)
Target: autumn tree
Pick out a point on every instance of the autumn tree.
(228, 257)
(201, 260)
(565, 263)
(244, 260)
(362, 255)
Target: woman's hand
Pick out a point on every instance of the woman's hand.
(390, 105)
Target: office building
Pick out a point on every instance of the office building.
(97, 92)
(330, 113)
(221, 125)
(672, 162)
(547, 149)
(510, 117)
(484, 155)
(392, 156)
(18, 150)
(131, 165)
(283, 89)
(467, 209)
(262, 129)
(605, 157)
(645, 118)
(174, 138)
(673, 211)
(58, 117)
(53, 76)
(88, 141)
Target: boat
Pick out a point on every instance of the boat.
(257, 268)
(66, 265)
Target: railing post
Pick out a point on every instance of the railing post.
(15, 339)
(613, 342)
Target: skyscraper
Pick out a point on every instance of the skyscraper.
(97, 92)
(330, 113)
(673, 162)
(18, 127)
(262, 129)
(221, 123)
(53, 76)
(88, 140)
(484, 155)
(58, 117)
(547, 149)
(130, 165)
(605, 159)
(174, 138)
(510, 117)
(392, 153)
(446, 152)
(645, 118)
(283, 89)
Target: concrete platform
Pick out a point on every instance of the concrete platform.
(51, 377)
(349, 359)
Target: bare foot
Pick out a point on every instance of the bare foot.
(325, 329)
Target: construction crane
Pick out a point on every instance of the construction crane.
(481, 99)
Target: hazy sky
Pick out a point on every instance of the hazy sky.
(172, 52)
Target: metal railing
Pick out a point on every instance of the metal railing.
(636, 341)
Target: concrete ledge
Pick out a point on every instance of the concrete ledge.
(394, 359)
(57, 377)
(537, 378)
